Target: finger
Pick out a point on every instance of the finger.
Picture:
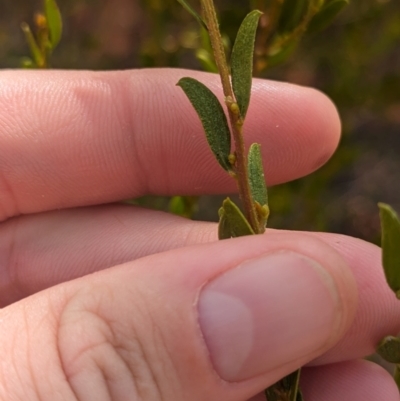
(258, 397)
(40, 251)
(216, 321)
(348, 381)
(378, 313)
(78, 138)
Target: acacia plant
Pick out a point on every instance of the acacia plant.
(244, 166)
(282, 24)
(289, 19)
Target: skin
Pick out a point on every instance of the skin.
(71, 144)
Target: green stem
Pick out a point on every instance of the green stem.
(236, 121)
(313, 9)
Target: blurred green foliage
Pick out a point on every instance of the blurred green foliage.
(44, 37)
(356, 61)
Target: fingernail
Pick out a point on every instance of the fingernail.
(267, 312)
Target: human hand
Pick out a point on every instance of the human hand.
(182, 316)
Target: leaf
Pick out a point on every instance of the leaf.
(242, 60)
(389, 349)
(232, 222)
(256, 175)
(212, 117)
(54, 21)
(37, 55)
(258, 187)
(285, 389)
(328, 13)
(27, 62)
(293, 12)
(278, 55)
(206, 60)
(177, 205)
(184, 206)
(205, 53)
(194, 13)
(390, 246)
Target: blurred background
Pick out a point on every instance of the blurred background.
(355, 61)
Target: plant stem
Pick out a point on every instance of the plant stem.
(236, 121)
(268, 22)
(210, 16)
(313, 9)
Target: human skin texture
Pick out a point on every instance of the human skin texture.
(105, 301)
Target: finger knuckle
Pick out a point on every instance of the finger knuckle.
(121, 357)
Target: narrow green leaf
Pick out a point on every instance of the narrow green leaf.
(279, 54)
(212, 117)
(54, 21)
(285, 389)
(177, 205)
(391, 246)
(193, 12)
(389, 349)
(206, 60)
(242, 60)
(27, 62)
(257, 183)
(328, 13)
(293, 12)
(184, 206)
(37, 55)
(232, 222)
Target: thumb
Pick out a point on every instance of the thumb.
(217, 322)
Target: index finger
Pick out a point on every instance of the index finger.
(70, 138)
